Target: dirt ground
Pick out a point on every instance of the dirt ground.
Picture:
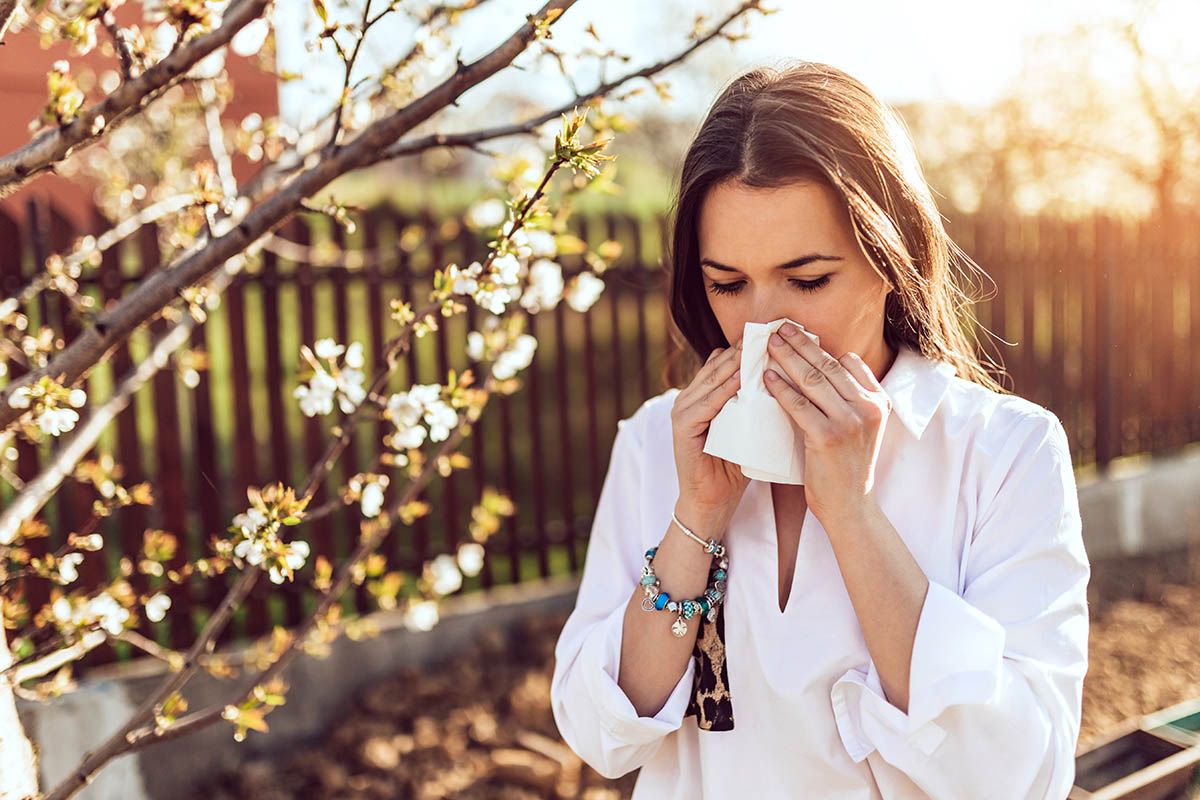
(482, 727)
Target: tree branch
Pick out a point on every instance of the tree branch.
(372, 532)
(52, 146)
(472, 138)
(76, 360)
(8, 9)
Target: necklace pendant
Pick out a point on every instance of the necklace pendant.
(679, 628)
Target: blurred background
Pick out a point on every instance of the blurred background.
(1063, 144)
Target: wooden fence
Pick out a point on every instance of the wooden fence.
(1103, 311)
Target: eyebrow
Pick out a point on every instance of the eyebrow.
(795, 262)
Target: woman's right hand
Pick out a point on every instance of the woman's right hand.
(709, 487)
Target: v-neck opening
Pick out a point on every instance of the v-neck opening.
(773, 528)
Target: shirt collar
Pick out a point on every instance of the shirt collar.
(916, 384)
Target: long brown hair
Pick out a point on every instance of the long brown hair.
(810, 121)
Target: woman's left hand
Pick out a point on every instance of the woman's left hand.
(841, 408)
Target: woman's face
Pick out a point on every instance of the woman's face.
(791, 252)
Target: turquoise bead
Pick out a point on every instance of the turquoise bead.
(647, 580)
(719, 574)
(660, 602)
(704, 605)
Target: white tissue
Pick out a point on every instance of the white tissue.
(752, 429)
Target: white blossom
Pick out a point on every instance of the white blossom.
(250, 551)
(585, 290)
(351, 390)
(156, 607)
(463, 281)
(93, 541)
(421, 401)
(475, 346)
(470, 558)
(328, 348)
(66, 567)
(519, 242)
(545, 286)
(507, 268)
(487, 214)
(61, 610)
(294, 558)
(404, 409)
(20, 398)
(446, 576)
(492, 301)
(372, 497)
(542, 244)
(250, 521)
(421, 615)
(317, 397)
(354, 355)
(516, 358)
(55, 421)
(297, 554)
(405, 438)
(441, 419)
(249, 40)
(111, 614)
(77, 398)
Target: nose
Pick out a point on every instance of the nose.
(767, 308)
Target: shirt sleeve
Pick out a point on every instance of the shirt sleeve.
(593, 714)
(996, 677)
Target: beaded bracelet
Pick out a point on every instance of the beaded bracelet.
(711, 546)
(657, 600)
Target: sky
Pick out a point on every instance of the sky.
(966, 51)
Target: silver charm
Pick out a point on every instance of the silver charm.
(679, 628)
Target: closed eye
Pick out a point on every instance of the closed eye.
(734, 287)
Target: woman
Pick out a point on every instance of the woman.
(909, 622)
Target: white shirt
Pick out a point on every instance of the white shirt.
(981, 488)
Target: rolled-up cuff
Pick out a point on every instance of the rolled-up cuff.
(958, 657)
(601, 660)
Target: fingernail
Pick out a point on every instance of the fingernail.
(787, 329)
(770, 375)
(775, 339)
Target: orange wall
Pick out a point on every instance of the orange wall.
(23, 68)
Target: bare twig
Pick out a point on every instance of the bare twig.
(44, 666)
(114, 235)
(471, 138)
(121, 42)
(272, 175)
(207, 91)
(364, 27)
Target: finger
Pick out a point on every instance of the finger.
(803, 412)
(711, 404)
(714, 371)
(696, 417)
(808, 378)
(858, 368)
(841, 379)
